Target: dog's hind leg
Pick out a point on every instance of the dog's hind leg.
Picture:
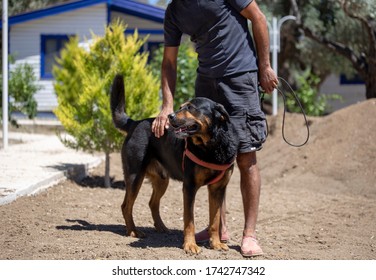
(132, 187)
(159, 181)
(159, 189)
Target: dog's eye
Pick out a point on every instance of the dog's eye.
(190, 107)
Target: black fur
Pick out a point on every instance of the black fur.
(205, 126)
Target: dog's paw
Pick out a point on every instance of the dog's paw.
(136, 233)
(191, 248)
(219, 246)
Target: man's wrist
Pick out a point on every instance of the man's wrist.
(264, 66)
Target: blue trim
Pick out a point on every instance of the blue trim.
(144, 31)
(151, 48)
(109, 12)
(355, 80)
(142, 10)
(44, 38)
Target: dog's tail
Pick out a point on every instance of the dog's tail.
(121, 120)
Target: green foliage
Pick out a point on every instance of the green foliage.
(328, 19)
(312, 102)
(329, 22)
(21, 6)
(83, 82)
(21, 87)
(186, 72)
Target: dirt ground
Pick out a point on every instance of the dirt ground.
(317, 202)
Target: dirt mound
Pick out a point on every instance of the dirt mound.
(342, 146)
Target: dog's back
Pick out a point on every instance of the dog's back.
(140, 143)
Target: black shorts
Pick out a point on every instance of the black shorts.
(239, 95)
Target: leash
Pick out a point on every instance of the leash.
(284, 97)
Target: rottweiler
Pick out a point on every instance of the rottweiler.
(198, 149)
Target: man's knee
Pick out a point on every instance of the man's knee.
(246, 161)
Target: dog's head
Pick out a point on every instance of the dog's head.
(197, 118)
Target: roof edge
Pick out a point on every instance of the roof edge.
(52, 10)
(128, 6)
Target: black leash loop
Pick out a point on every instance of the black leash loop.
(284, 112)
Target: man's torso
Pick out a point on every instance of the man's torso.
(220, 32)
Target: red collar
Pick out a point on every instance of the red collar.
(213, 166)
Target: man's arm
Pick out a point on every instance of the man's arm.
(268, 78)
(169, 66)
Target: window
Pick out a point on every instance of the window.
(151, 47)
(51, 46)
(354, 80)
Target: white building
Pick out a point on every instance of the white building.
(350, 90)
(37, 37)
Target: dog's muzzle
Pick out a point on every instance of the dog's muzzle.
(182, 128)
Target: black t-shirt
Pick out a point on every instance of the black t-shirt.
(220, 33)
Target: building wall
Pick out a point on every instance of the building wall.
(25, 37)
(153, 30)
(137, 22)
(350, 93)
(25, 41)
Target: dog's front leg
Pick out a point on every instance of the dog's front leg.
(189, 194)
(216, 197)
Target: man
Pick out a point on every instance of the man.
(228, 73)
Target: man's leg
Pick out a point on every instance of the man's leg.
(250, 185)
(203, 236)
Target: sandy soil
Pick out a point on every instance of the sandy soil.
(317, 202)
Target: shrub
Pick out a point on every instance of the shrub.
(312, 102)
(186, 73)
(83, 82)
(22, 87)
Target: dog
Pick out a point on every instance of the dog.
(199, 148)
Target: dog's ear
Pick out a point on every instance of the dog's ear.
(220, 113)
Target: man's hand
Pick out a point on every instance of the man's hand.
(268, 79)
(161, 122)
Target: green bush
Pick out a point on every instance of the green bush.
(83, 83)
(312, 102)
(186, 72)
(22, 87)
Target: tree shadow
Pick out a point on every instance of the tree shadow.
(72, 171)
(98, 182)
(82, 225)
(79, 174)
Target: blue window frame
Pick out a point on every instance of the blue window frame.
(355, 80)
(51, 46)
(150, 47)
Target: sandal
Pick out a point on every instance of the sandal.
(250, 247)
(203, 236)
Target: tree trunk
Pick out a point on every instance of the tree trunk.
(107, 179)
(371, 75)
(371, 86)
